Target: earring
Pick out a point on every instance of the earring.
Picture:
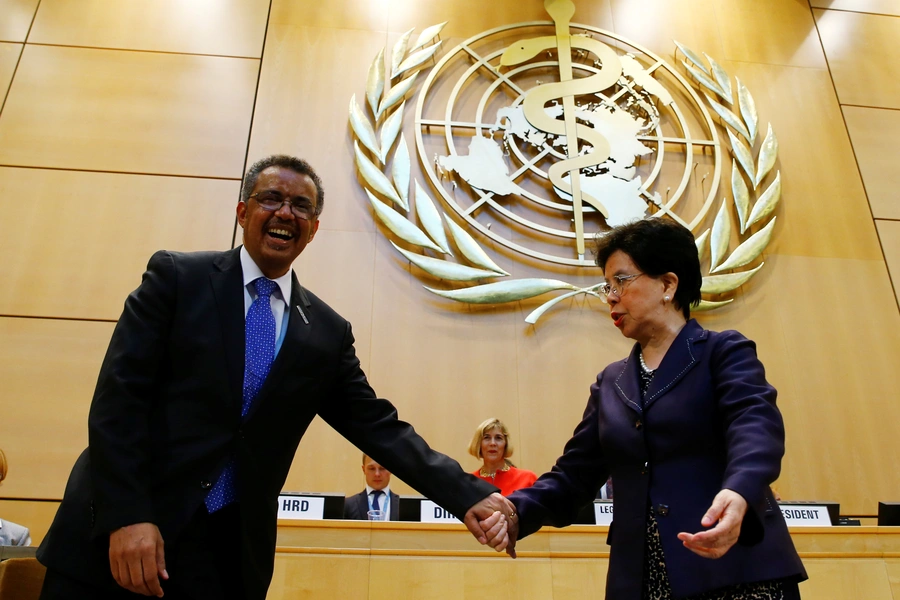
(666, 298)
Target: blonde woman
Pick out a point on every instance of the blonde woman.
(491, 444)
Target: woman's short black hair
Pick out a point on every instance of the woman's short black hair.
(658, 246)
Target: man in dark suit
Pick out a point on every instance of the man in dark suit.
(377, 495)
(215, 370)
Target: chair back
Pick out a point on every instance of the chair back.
(21, 579)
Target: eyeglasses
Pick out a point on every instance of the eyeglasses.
(273, 201)
(617, 287)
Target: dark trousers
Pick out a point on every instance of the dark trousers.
(204, 563)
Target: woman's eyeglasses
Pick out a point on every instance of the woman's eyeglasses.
(617, 286)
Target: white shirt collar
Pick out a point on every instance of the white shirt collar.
(386, 490)
(252, 272)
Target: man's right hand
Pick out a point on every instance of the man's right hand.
(137, 559)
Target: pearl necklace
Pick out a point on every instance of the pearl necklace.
(644, 366)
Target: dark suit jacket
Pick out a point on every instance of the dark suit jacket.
(709, 422)
(166, 416)
(357, 507)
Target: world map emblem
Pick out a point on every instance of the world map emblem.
(541, 136)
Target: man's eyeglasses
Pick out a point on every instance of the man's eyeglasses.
(617, 286)
(273, 201)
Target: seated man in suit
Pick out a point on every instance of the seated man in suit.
(377, 495)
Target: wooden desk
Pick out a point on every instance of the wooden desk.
(374, 561)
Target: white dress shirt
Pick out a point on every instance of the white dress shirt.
(279, 300)
(13, 534)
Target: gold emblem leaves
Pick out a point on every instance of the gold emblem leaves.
(750, 210)
(377, 130)
(383, 159)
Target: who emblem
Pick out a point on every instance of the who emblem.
(540, 136)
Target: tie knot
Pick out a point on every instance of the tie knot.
(264, 287)
(376, 494)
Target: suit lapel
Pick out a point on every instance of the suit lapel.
(300, 327)
(227, 283)
(626, 382)
(364, 505)
(395, 507)
(682, 356)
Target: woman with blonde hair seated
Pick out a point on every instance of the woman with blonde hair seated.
(491, 444)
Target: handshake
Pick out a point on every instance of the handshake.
(494, 522)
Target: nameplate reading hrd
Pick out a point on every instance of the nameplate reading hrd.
(603, 512)
(432, 513)
(301, 507)
(805, 515)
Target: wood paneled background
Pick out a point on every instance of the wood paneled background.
(126, 126)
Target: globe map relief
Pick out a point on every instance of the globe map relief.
(621, 122)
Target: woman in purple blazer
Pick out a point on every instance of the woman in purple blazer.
(687, 427)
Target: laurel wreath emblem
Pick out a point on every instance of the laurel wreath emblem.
(384, 164)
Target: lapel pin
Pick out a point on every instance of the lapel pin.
(302, 315)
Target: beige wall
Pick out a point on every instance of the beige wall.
(127, 126)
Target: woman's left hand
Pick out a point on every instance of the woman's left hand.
(728, 508)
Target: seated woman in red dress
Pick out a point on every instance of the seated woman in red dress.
(491, 444)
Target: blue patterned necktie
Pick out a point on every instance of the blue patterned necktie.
(375, 496)
(259, 352)
(259, 342)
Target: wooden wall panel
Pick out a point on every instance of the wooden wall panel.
(9, 57)
(860, 50)
(776, 32)
(451, 367)
(100, 230)
(874, 133)
(579, 578)
(15, 19)
(305, 576)
(49, 369)
(442, 561)
(466, 18)
(459, 578)
(305, 87)
(889, 231)
(884, 7)
(691, 22)
(823, 211)
(367, 15)
(135, 112)
(893, 568)
(835, 578)
(230, 28)
(845, 389)
(36, 516)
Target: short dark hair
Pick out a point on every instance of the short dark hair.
(657, 247)
(298, 165)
